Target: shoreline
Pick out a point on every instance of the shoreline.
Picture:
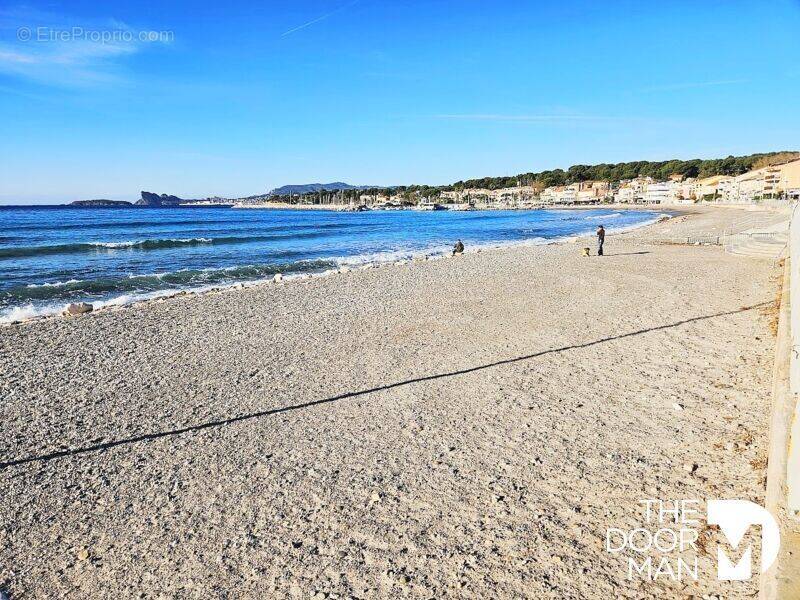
(348, 207)
(126, 301)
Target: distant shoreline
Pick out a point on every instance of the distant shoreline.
(681, 208)
(103, 305)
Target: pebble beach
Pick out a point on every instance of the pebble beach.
(459, 427)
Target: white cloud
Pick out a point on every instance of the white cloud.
(56, 50)
(15, 57)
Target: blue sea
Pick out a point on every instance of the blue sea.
(51, 256)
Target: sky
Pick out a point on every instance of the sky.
(201, 98)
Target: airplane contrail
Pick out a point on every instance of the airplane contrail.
(318, 19)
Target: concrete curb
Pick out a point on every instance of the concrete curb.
(782, 579)
(778, 428)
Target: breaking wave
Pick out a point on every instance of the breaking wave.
(26, 251)
(43, 271)
(155, 244)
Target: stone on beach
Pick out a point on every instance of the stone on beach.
(278, 278)
(78, 308)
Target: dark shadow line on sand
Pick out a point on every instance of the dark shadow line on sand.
(275, 411)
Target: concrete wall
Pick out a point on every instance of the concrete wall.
(782, 580)
(793, 457)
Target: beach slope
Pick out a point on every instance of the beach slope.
(465, 427)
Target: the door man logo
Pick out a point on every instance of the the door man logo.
(734, 518)
(666, 547)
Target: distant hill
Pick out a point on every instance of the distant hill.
(612, 172)
(151, 199)
(307, 188)
(100, 203)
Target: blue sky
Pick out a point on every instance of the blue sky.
(234, 98)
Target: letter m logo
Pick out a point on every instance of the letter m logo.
(734, 518)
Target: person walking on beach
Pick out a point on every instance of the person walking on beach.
(458, 248)
(601, 237)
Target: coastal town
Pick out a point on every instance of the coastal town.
(756, 179)
(773, 183)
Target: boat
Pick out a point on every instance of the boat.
(428, 205)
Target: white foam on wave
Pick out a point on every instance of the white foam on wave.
(54, 284)
(29, 311)
(134, 243)
(126, 299)
(615, 215)
(390, 256)
(153, 275)
(431, 252)
(127, 244)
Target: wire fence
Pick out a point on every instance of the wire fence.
(766, 228)
(727, 240)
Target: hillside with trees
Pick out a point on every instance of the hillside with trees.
(659, 170)
(699, 168)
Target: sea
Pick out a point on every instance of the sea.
(51, 256)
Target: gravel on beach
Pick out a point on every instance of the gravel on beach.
(461, 427)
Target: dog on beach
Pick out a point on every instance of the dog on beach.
(586, 251)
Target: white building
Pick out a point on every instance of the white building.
(686, 191)
(586, 192)
(559, 194)
(631, 191)
(662, 192)
(625, 195)
(504, 197)
(710, 188)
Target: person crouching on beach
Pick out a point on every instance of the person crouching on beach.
(458, 248)
(601, 237)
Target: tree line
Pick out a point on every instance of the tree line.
(658, 170)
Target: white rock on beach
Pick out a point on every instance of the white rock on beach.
(278, 278)
(78, 308)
